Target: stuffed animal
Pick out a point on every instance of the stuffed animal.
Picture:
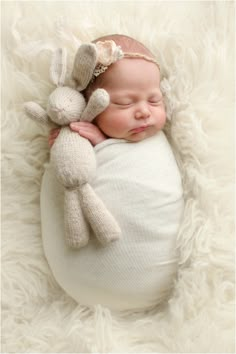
(72, 156)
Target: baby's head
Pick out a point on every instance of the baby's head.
(136, 109)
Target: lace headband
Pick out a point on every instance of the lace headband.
(109, 53)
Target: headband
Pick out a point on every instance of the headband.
(109, 53)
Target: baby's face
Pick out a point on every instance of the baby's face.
(136, 109)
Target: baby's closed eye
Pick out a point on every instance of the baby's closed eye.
(124, 102)
(155, 99)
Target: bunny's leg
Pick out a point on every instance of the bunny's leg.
(76, 227)
(101, 220)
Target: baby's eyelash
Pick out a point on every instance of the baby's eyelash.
(157, 100)
(122, 104)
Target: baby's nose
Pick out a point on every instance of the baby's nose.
(142, 112)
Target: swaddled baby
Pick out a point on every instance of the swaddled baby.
(137, 179)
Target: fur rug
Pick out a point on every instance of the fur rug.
(194, 43)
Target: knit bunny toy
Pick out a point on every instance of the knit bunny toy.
(72, 156)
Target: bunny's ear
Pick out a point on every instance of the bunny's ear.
(36, 112)
(84, 65)
(58, 67)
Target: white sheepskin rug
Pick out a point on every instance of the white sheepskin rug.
(194, 43)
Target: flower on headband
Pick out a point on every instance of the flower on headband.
(108, 52)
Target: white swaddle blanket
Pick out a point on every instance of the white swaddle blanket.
(141, 185)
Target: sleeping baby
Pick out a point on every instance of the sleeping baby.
(139, 182)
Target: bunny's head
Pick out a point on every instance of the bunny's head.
(65, 104)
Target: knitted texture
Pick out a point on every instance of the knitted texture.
(98, 100)
(37, 113)
(102, 222)
(146, 199)
(73, 159)
(65, 105)
(74, 162)
(84, 65)
(58, 67)
(72, 156)
(77, 229)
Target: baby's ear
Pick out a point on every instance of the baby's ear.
(84, 65)
(36, 112)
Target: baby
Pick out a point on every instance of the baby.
(136, 109)
(138, 180)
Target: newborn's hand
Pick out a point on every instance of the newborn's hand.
(88, 131)
(52, 136)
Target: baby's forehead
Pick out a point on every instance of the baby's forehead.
(130, 70)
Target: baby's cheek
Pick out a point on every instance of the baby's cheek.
(162, 119)
(117, 127)
(109, 127)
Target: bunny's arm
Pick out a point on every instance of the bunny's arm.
(37, 113)
(97, 103)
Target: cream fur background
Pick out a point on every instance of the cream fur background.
(194, 42)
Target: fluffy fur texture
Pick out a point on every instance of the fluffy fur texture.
(193, 42)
